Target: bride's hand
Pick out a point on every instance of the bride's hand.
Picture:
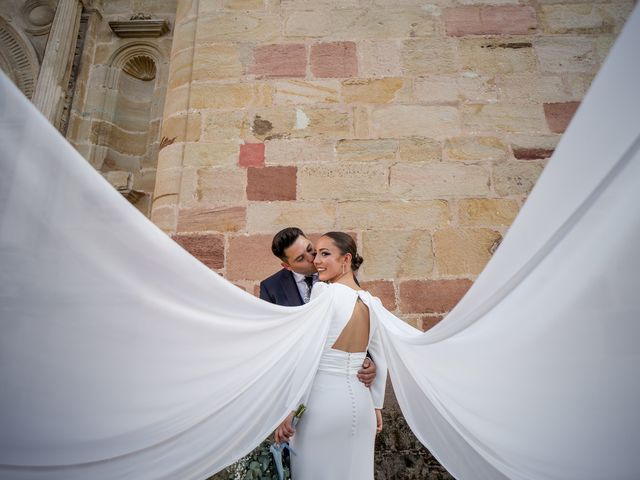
(378, 420)
(285, 429)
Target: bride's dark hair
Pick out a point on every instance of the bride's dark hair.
(346, 244)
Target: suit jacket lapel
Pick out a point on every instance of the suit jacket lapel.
(291, 290)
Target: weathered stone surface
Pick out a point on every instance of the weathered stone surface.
(212, 186)
(464, 251)
(224, 126)
(230, 95)
(379, 59)
(438, 180)
(181, 68)
(280, 60)
(245, 4)
(296, 151)
(361, 122)
(298, 92)
(475, 149)
(425, 322)
(392, 215)
(414, 121)
(231, 219)
(209, 249)
(301, 122)
(490, 20)
(420, 150)
(577, 18)
(368, 90)
(271, 183)
(565, 54)
(497, 56)
(366, 150)
(271, 217)
(249, 257)
(532, 88)
(237, 26)
(210, 154)
(181, 128)
(478, 88)
(532, 147)
(384, 290)
(251, 155)
(431, 296)
(515, 178)
(342, 181)
(397, 254)
(487, 211)
(511, 117)
(559, 115)
(422, 57)
(436, 89)
(177, 100)
(216, 61)
(334, 60)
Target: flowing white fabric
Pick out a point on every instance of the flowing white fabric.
(121, 356)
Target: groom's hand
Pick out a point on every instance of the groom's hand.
(368, 372)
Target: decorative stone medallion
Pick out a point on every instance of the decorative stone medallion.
(37, 16)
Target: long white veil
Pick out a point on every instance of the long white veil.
(121, 356)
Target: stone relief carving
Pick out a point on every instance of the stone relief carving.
(141, 67)
(37, 16)
(138, 26)
(18, 59)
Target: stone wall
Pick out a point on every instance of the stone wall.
(418, 126)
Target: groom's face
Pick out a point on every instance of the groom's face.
(300, 256)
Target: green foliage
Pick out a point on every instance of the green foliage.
(258, 465)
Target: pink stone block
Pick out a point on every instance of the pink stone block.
(383, 289)
(559, 115)
(431, 296)
(251, 155)
(271, 183)
(209, 249)
(334, 60)
(490, 20)
(249, 257)
(280, 60)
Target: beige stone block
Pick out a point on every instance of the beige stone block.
(487, 211)
(429, 56)
(383, 215)
(318, 4)
(420, 150)
(396, 254)
(497, 56)
(415, 121)
(438, 180)
(171, 156)
(577, 85)
(575, 18)
(515, 178)
(464, 251)
(477, 88)
(212, 186)
(237, 26)
(436, 89)
(366, 150)
(271, 217)
(615, 14)
(222, 219)
(367, 90)
(309, 23)
(300, 92)
(225, 125)
(475, 149)
(297, 151)
(335, 123)
(352, 181)
(276, 122)
(181, 128)
(165, 217)
(168, 182)
(532, 88)
(184, 35)
(231, 95)
(145, 180)
(211, 154)
(565, 54)
(181, 69)
(245, 4)
(505, 117)
(212, 62)
(361, 122)
(177, 100)
(602, 44)
(379, 59)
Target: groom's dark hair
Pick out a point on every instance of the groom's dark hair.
(283, 240)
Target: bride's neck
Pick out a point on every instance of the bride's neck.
(346, 279)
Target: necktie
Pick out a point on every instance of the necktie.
(309, 281)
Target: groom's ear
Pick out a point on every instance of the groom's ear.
(285, 266)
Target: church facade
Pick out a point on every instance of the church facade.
(419, 126)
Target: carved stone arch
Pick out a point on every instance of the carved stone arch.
(18, 58)
(139, 59)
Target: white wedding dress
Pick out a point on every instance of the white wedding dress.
(336, 435)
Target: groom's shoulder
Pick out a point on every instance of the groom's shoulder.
(277, 277)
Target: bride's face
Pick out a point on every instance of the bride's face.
(330, 262)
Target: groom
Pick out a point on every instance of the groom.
(292, 285)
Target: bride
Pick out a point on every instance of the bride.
(335, 437)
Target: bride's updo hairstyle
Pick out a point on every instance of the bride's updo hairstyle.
(346, 244)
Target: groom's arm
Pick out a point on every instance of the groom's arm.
(265, 294)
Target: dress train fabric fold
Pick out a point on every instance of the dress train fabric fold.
(121, 356)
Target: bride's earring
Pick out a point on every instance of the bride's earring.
(343, 265)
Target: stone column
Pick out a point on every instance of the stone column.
(56, 64)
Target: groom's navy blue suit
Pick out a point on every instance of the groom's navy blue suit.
(281, 289)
